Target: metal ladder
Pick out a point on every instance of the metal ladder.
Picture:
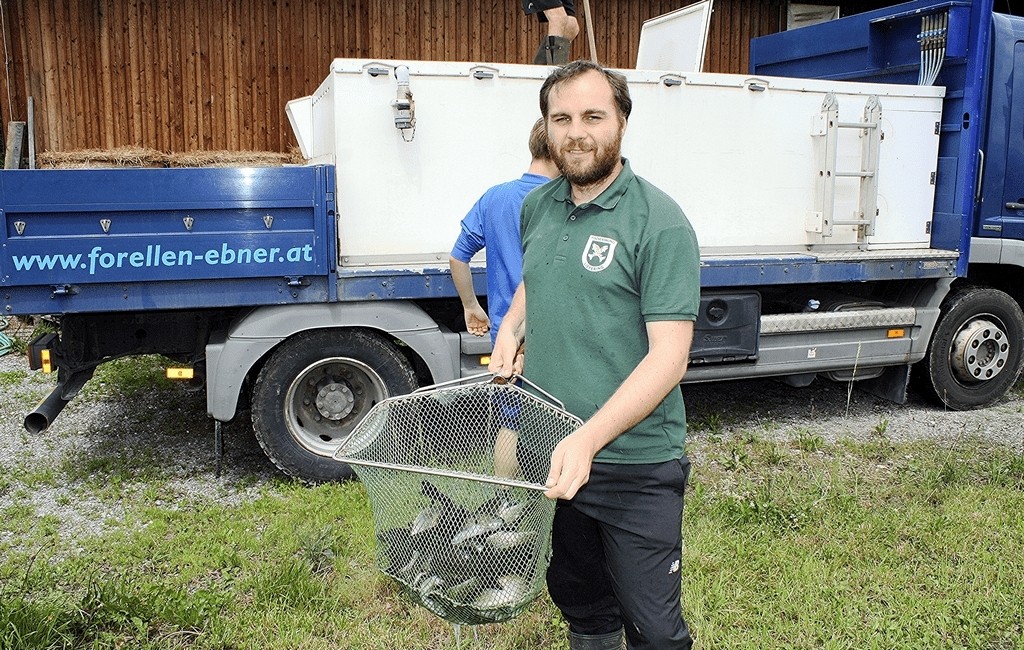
(825, 130)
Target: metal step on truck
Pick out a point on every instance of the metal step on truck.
(858, 198)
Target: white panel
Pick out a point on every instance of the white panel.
(676, 40)
(740, 161)
(300, 116)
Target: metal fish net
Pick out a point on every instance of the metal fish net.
(454, 475)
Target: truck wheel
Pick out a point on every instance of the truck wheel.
(315, 389)
(975, 353)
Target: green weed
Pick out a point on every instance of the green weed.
(710, 423)
(808, 441)
(882, 426)
(736, 459)
(12, 377)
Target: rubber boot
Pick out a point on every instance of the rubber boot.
(609, 641)
(553, 50)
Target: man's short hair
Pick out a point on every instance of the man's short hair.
(620, 90)
(539, 141)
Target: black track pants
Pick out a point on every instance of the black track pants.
(616, 553)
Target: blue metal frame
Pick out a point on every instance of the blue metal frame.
(1004, 159)
(132, 239)
(881, 46)
(724, 272)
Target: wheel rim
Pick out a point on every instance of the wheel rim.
(327, 400)
(980, 350)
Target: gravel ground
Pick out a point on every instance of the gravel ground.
(100, 441)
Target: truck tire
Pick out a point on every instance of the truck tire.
(315, 389)
(975, 355)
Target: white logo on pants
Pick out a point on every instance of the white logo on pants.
(598, 253)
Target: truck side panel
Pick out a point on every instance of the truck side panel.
(78, 241)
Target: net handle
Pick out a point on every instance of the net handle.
(492, 378)
(493, 480)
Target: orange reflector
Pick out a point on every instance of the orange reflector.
(485, 361)
(180, 373)
(896, 333)
(44, 356)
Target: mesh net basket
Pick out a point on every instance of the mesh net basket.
(454, 474)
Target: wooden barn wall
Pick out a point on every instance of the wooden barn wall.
(190, 75)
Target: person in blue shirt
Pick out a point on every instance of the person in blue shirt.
(493, 223)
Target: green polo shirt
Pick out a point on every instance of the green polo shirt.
(595, 274)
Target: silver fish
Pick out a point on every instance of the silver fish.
(476, 528)
(429, 585)
(504, 539)
(510, 512)
(460, 591)
(513, 590)
(414, 559)
(424, 521)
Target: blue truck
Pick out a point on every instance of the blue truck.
(253, 281)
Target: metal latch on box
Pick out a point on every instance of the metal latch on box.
(404, 106)
(297, 281)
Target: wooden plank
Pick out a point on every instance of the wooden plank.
(284, 32)
(147, 99)
(11, 80)
(74, 65)
(49, 89)
(213, 38)
(113, 83)
(106, 89)
(15, 144)
(225, 83)
(262, 79)
(30, 131)
(170, 44)
(273, 106)
(66, 79)
(192, 122)
(245, 53)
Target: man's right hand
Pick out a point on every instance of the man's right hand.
(507, 356)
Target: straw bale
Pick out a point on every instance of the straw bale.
(144, 157)
(82, 158)
(230, 159)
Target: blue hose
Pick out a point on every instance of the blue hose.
(5, 342)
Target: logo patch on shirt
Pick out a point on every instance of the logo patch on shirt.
(598, 253)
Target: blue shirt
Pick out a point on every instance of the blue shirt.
(493, 222)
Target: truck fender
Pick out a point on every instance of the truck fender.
(1005, 252)
(231, 355)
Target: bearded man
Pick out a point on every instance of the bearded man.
(609, 297)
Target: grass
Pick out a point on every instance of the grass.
(129, 376)
(785, 547)
(790, 542)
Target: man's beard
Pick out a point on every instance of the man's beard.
(582, 174)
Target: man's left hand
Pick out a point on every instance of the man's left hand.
(570, 465)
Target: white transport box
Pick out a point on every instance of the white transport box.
(747, 158)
